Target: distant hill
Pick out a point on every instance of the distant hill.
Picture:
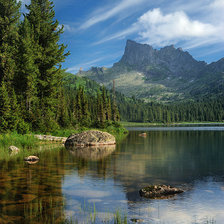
(164, 75)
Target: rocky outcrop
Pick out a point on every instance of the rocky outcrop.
(175, 61)
(93, 153)
(90, 138)
(159, 191)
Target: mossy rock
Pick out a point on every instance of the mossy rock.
(159, 191)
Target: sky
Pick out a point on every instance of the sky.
(96, 31)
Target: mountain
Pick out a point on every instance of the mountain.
(164, 75)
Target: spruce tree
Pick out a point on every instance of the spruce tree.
(85, 120)
(27, 69)
(9, 19)
(50, 55)
(5, 108)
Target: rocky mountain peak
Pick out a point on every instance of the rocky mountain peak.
(217, 66)
(137, 54)
(175, 61)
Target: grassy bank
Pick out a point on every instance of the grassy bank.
(138, 124)
(28, 144)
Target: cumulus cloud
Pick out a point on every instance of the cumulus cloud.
(159, 29)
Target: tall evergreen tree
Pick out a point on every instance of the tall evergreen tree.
(27, 69)
(9, 19)
(5, 108)
(49, 55)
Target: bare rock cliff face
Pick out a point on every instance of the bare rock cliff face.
(175, 61)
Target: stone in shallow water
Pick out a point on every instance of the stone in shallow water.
(31, 158)
(136, 220)
(159, 191)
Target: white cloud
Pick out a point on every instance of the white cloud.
(158, 29)
(93, 63)
(68, 28)
(119, 35)
(104, 14)
(84, 65)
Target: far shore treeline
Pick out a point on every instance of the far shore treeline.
(206, 109)
(32, 93)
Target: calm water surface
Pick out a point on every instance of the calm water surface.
(65, 184)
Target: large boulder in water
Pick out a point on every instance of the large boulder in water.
(159, 191)
(90, 138)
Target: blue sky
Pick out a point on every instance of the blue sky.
(96, 30)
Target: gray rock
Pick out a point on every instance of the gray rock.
(31, 158)
(159, 191)
(13, 149)
(136, 220)
(90, 138)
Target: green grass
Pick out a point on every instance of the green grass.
(28, 145)
(90, 217)
(20, 141)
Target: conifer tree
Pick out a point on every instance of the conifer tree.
(85, 120)
(9, 19)
(49, 55)
(5, 108)
(27, 69)
(108, 114)
(100, 111)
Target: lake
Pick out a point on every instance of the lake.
(85, 187)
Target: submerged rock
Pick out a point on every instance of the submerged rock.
(143, 135)
(90, 138)
(136, 220)
(13, 150)
(31, 158)
(159, 191)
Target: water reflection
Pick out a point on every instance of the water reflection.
(92, 153)
(64, 181)
(32, 193)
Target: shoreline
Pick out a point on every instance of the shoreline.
(139, 124)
